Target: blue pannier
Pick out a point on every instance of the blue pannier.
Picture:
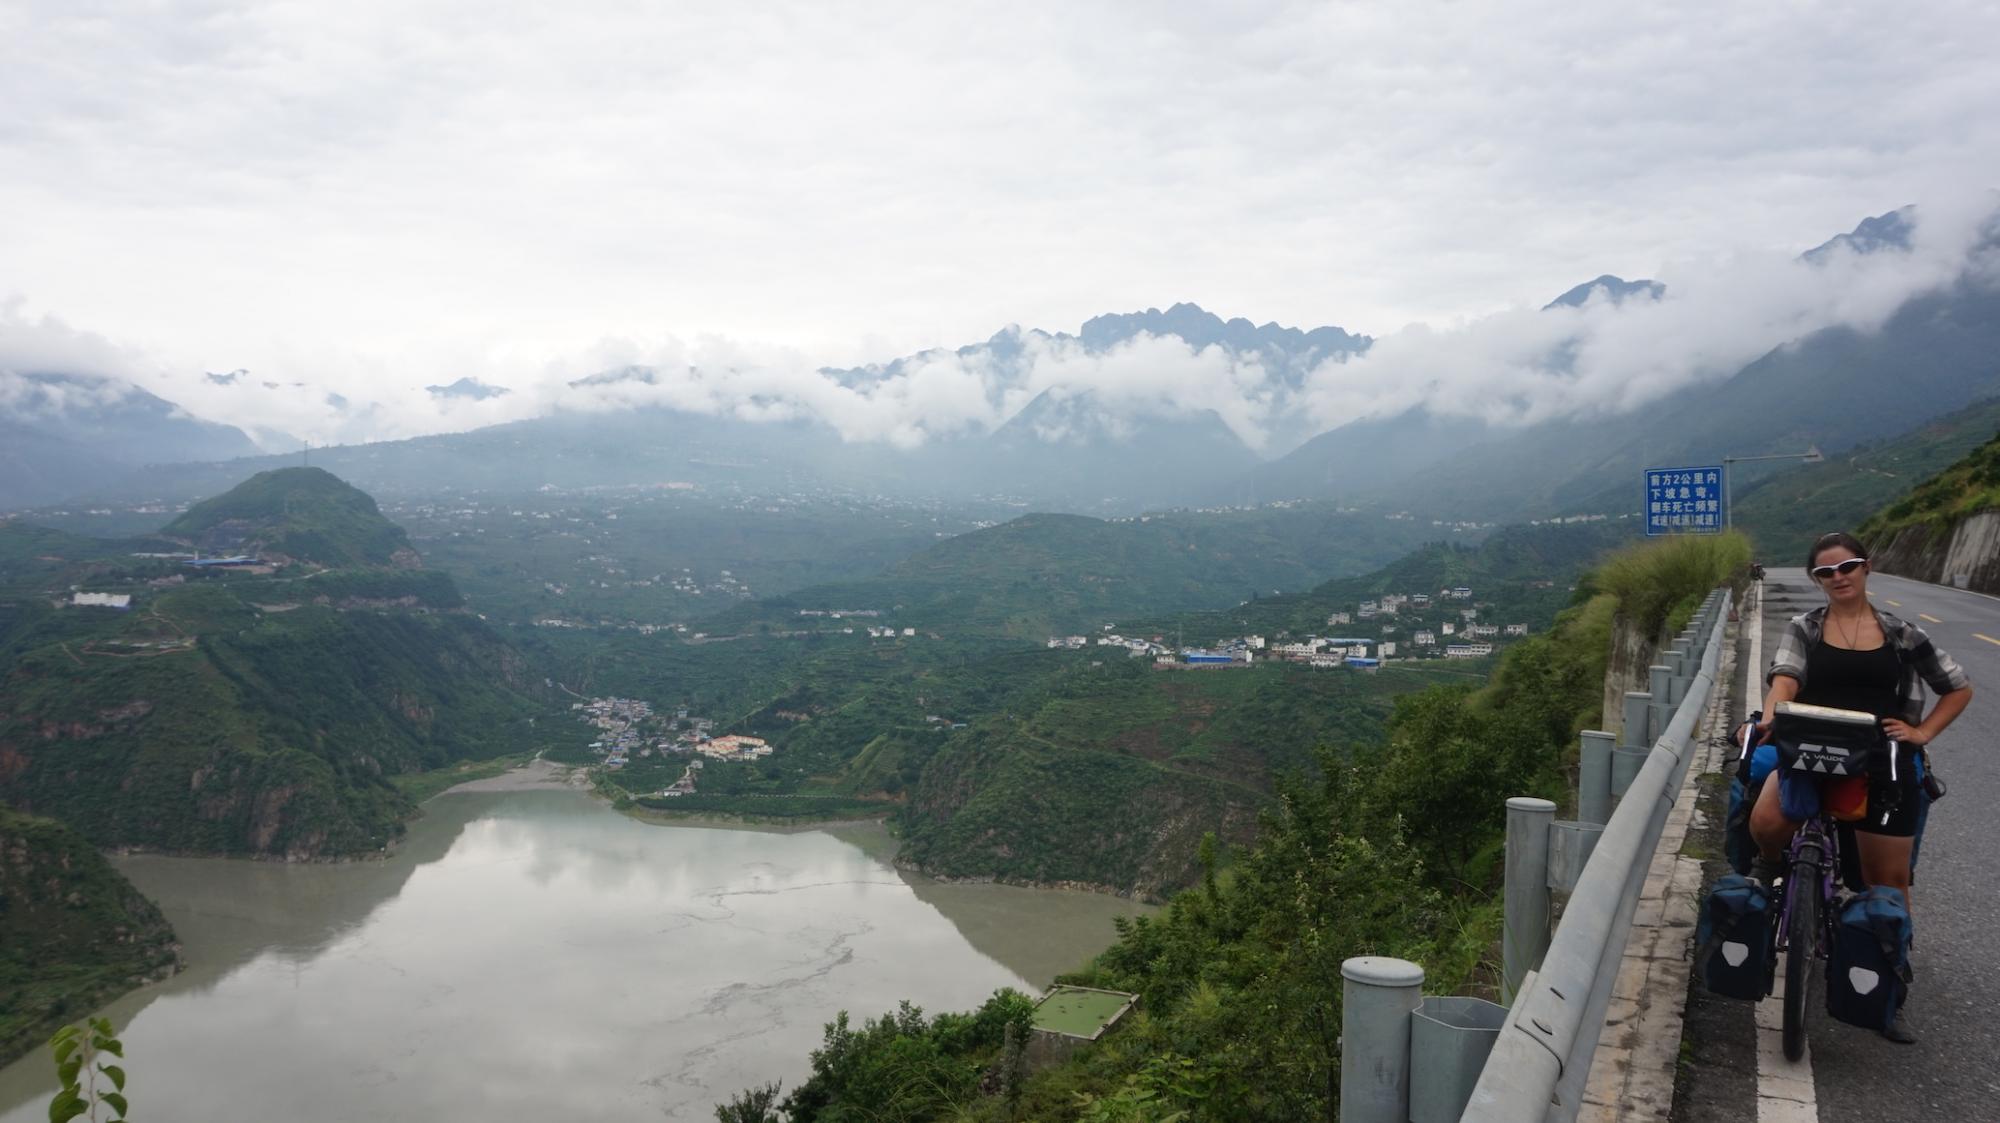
(1744, 786)
(1868, 966)
(1733, 944)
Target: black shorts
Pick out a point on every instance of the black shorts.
(1893, 804)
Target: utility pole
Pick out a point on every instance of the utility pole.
(1810, 456)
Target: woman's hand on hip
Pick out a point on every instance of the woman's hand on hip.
(1903, 731)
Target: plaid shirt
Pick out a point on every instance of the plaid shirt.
(1920, 658)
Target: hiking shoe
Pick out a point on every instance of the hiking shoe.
(1900, 1032)
(1764, 870)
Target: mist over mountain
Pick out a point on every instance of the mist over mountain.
(1871, 333)
(1525, 412)
(1614, 289)
(469, 388)
(65, 433)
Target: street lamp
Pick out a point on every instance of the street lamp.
(1810, 456)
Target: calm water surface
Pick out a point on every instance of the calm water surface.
(533, 955)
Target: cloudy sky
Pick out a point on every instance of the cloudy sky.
(369, 197)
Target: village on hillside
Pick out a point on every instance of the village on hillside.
(1445, 625)
(628, 727)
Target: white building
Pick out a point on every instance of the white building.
(1425, 639)
(1517, 629)
(102, 600)
(1468, 650)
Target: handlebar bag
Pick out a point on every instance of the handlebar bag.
(1826, 757)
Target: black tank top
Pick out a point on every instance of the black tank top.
(1853, 680)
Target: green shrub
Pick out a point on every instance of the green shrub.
(1653, 579)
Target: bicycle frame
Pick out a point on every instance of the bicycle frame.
(1815, 841)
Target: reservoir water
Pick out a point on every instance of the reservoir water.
(533, 955)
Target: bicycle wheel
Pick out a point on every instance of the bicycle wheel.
(1802, 936)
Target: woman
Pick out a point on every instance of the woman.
(1850, 655)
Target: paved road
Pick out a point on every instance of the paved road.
(1953, 1073)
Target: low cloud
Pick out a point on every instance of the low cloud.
(1523, 366)
(1514, 367)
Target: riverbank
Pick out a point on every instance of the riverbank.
(536, 774)
(772, 823)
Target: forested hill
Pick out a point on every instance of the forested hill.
(1047, 572)
(299, 514)
(1785, 511)
(1523, 571)
(262, 710)
(73, 931)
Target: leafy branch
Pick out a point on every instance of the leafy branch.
(79, 1054)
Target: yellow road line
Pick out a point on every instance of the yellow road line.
(1987, 638)
(1928, 616)
(1894, 603)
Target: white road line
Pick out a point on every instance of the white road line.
(1785, 1091)
(1753, 676)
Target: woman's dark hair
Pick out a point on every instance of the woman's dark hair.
(1839, 538)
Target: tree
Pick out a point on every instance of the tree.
(752, 1105)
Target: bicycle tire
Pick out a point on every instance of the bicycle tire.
(1802, 936)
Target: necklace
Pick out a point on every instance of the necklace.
(1849, 630)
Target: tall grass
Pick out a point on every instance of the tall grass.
(1657, 582)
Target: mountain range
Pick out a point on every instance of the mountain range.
(1119, 416)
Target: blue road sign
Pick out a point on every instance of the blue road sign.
(1683, 500)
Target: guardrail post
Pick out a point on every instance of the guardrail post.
(1378, 996)
(1638, 717)
(1593, 778)
(1662, 707)
(1626, 761)
(1526, 892)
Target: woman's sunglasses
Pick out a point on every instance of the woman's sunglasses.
(1822, 572)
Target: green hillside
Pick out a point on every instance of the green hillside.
(1967, 486)
(1043, 573)
(241, 712)
(1785, 511)
(73, 932)
(304, 514)
(198, 722)
(1521, 573)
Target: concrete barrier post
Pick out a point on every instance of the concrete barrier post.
(1677, 677)
(1525, 936)
(1638, 716)
(1593, 778)
(1378, 997)
(1663, 710)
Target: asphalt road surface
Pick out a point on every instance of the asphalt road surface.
(1953, 1072)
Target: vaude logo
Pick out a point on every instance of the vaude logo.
(1824, 759)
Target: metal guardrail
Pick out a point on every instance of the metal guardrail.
(1542, 1057)
(1541, 1049)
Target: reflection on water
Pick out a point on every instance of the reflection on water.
(532, 955)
